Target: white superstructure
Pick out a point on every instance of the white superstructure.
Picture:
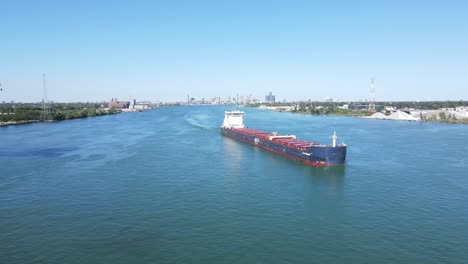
(334, 137)
(233, 119)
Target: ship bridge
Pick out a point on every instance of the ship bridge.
(233, 119)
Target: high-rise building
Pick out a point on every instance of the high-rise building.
(270, 98)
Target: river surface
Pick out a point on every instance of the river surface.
(163, 186)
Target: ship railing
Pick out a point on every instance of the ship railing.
(285, 136)
(328, 145)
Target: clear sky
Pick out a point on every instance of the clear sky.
(164, 50)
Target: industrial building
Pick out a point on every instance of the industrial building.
(114, 103)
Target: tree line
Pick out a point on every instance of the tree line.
(57, 112)
(427, 105)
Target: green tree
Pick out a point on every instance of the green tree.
(92, 111)
(442, 115)
(58, 116)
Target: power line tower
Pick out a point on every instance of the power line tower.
(372, 96)
(45, 104)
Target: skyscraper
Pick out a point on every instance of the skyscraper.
(270, 98)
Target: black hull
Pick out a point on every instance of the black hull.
(316, 155)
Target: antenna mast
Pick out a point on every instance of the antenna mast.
(45, 106)
(372, 96)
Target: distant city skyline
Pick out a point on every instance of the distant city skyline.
(162, 51)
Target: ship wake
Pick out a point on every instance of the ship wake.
(202, 121)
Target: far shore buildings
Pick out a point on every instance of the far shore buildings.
(270, 98)
(114, 103)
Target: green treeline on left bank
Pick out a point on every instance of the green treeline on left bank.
(56, 112)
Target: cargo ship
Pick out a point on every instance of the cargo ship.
(310, 153)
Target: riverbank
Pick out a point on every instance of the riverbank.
(13, 123)
(20, 114)
(441, 116)
(25, 122)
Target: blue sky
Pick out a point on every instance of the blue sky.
(164, 50)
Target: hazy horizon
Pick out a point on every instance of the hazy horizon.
(157, 51)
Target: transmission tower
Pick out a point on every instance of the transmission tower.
(45, 103)
(372, 96)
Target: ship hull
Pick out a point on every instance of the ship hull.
(318, 155)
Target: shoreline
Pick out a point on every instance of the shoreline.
(357, 115)
(25, 122)
(18, 123)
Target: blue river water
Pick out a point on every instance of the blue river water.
(163, 186)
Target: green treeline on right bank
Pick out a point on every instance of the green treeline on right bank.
(362, 108)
